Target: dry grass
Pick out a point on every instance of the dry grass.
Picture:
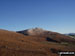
(15, 44)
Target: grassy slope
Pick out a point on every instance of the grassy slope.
(15, 44)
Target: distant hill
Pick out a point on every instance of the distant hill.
(71, 35)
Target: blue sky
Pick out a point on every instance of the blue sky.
(54, 15)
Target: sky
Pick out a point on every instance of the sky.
(53, 15)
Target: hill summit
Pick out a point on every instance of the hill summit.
(33, 31)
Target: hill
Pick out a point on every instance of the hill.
(47, 35)
(16, 44)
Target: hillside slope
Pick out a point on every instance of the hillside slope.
(15, 44)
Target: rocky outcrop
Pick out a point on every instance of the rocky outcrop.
(33, 31)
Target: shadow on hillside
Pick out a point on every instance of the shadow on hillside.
(50, 40)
